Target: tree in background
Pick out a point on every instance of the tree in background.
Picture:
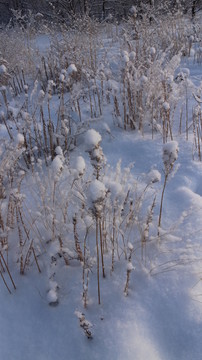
(98, 8)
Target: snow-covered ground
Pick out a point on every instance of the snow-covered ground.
(161, 318)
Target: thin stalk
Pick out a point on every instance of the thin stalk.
(5, 282)
(98, 260)
(8, 271)
(101, 249)
(162, 196)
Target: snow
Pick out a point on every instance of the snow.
(170, 153)
(143, 80)
(125, 57)
(57, 164)
(41, 95)
(92, 139)
(130, 246)
(130, 266)
(71, 69)
(20, 139)
(80, 165)
(62, 77)
(97, 191)
(152, 50)
(154, 176)
(132, 56)
(3, 69)
(166, 106)
(52, 296)
(59, 151)
(161, 318)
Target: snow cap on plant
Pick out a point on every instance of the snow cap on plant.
(80, 165)
(72, 69)
(62, 78)
(97, 191)
(154, 176)
(57, 165)
(52, 297)
(170, 155)
(62, 75)
(125, 57)
(152, 51)
(41, 96)
(20, 139)
(130, 266)
(133, 11)
(114, 187)
(3, 69)
(166, 106)
(65, 128)
(92, 139)
(130, 246)
(50, 86)
(143, 80)
(59, 151)
(132, 56)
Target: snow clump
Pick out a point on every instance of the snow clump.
(133, 10)
(58, 151)
(130, 246)
(97, 191)
(130, 267)
(72, 69)
(20, 139)
(154, 176)
(52, 297)
(41, 96)
(3, 69)
(166, 106)
(57, 165)
(92, 139)
(80, 165)
(114, 188)
(132, 56)
(125, 57)
(143, 80)
(62, 78)
(170, 154)
(152, 51)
